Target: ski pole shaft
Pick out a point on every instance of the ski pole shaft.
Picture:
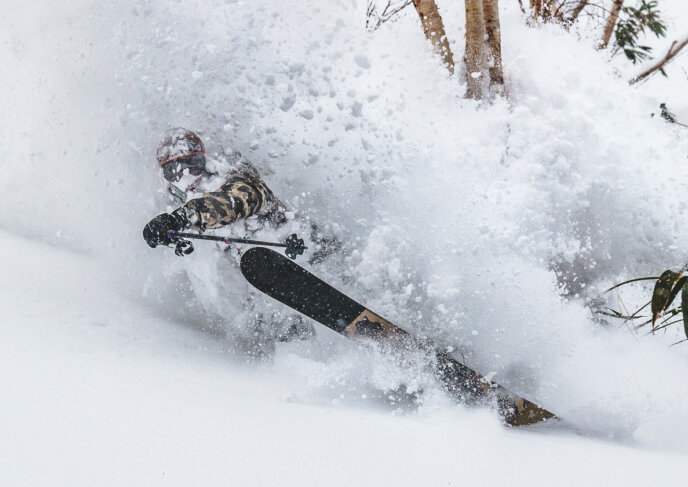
(293, 245)
(226, 240)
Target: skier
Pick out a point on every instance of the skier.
(182, 160)
(213, 194)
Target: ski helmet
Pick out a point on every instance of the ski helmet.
(181, 152)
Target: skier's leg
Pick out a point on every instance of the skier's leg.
(230, 301)
(296, 327)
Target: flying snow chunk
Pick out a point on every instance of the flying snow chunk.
(287, 103)
(197, 74)
(362, 61)
(312, 159)
(307, 114)
(297, 68)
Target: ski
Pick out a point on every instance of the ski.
(292, 285)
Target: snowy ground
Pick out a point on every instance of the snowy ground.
(461, 224)
(100, 390)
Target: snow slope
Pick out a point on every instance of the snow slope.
(98, 389)
(483, 228)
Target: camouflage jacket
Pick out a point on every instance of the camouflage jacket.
(242, 195)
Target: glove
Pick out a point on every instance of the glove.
(156, 232)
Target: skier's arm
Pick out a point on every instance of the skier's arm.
(241, 196)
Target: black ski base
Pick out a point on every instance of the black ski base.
(292, 285)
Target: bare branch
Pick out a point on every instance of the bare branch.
(617, 314)
(520, 4)
(674, 49)
(667, 324)
(374, 21)
(576, 11)
(558, 12)
(653, 278)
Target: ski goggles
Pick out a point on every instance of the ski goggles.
(174, 169)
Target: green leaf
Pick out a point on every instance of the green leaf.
(684, 305)
(662, 294)
(674, 292)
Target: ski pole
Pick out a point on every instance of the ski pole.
(293, 245)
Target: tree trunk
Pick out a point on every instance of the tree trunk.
(494, 43)
(555, 10)
(577, 11)
(475, 48)
(434, 30)
(536, 6)
(611, 22)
